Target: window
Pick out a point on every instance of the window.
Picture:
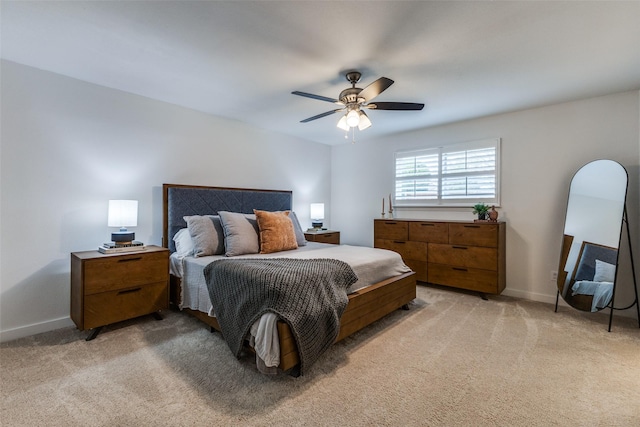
(454, 175)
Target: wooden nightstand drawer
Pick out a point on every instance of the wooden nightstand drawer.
(333, 238)
(474, 234)
(472, 279)
(390, 229)
(436, 232)
(324, 236)
(124, 271)
(117, 305)
(464, 256)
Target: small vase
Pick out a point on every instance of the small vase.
(493, 214)
(482, 216)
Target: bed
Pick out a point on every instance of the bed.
(382, 286)
(593, 277)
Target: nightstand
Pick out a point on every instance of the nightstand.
(323, 236)
(110, 288)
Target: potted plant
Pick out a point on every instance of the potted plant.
(482, 210)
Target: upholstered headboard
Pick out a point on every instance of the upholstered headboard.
(182, 200)
(589, 253)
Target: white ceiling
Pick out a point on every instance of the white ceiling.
(241, 59)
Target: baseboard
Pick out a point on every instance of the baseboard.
(551, 299)
(533, 296)
(37, 328)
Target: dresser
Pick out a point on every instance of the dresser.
(461, 254)
(109, 288)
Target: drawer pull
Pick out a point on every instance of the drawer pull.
(471, 226)
(130, 259)
(426, 224)
(459, 247)
(390, 223)
(460, 269)
(398, 241)
(129, 291)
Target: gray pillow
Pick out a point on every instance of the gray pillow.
(297, 229)
(241, 233)
(207, 234)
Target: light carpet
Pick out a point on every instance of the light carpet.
(451, 360)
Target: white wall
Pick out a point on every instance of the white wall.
(69, 146)
(541, 150)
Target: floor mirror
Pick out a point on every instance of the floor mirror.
(594, 224)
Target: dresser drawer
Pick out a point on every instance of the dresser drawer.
(474, 234)
(419, 267)
(391, 230)
(466, 278)
(114, 306)
(408, 250)
(123, 272)
(464, 256)
(436, 232)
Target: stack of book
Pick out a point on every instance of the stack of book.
(117, 247)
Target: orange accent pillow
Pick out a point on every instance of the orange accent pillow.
(276, 231)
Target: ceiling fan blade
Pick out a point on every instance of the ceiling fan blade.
(375, 89)
(328, 113)
(321, 98)
(406, 106)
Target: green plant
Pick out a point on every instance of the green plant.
(480, 209)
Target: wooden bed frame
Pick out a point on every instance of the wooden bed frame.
(365, 305)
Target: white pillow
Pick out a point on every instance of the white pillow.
(184, 243)
(605, 272)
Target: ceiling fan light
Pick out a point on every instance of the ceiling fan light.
(353, 118)
(342, 123)
(364, 121)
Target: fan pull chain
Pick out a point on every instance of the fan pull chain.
(353, 135)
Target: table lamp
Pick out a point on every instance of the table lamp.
(123, 214)
(317, 215)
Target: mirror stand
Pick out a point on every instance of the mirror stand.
(633, 273)
(611, 306)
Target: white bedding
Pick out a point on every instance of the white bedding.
(601, 291)
(370, 265)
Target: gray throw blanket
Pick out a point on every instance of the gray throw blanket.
(309, 294)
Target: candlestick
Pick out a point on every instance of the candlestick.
(383, 205)
(390, 206)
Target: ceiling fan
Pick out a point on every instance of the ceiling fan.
(353, 100)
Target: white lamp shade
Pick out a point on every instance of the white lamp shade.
(364, 121)
(342, 123)
(317, 211)
(353, 118)
(123, 213)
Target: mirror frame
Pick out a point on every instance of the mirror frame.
(566, 276)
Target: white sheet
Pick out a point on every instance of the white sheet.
(370, 265)
(601, 291)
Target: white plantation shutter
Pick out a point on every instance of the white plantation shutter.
(455, 175)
